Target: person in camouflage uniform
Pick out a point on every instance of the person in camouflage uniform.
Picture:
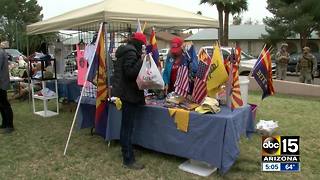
(282, 59)
(307, 65)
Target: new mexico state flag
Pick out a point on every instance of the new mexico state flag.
(217, 74)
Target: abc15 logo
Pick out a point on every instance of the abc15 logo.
(280, 145)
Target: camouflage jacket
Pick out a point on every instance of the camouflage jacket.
(282, 58)
(307, 63)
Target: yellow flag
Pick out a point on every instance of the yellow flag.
(217, 74)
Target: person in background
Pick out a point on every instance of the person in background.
(24, 88)
(282, 59)
(126, 70)
(5, 107)
(307, 65)
(172, 64)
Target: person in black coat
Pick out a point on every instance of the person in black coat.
(126, 69)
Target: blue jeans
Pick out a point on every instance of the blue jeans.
(128, 115)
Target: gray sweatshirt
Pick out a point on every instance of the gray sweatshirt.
(4, 71)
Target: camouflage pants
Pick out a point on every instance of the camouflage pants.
(282, 72)
(305, 77)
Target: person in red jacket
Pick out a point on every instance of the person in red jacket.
(172, 64)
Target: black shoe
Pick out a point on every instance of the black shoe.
(134, 166)
(6, 130)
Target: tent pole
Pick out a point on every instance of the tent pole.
(108, 57)
(28, 71)
(79, 102)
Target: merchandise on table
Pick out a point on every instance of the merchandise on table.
(209, 105)
(174, 98)
(188, 105)
(222, 96)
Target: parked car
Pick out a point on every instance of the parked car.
(294, 60)
(246, 64)
(14, 54)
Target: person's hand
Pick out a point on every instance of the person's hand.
(166, 89)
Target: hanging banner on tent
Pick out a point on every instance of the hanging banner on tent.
(82, 65)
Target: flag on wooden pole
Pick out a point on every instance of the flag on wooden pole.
(98, 74)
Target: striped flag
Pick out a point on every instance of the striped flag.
(200, 83)
(154, 47)
(238, 54)
(98, 73)
(262, 73)
(266, 57)
(234, 83)
(182, 83)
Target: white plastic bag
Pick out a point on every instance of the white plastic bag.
(267, 127)
(149, 76)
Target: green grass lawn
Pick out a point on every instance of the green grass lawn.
(35, 149)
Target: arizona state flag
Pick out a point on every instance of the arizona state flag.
(154, 47)
(234, 82)
(98, 73)
(217, 73)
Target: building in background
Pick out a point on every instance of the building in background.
(249, 39)
(164, 37)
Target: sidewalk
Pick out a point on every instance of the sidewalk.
(289, 87)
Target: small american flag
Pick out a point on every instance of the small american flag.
(182, 83)
(200, 85)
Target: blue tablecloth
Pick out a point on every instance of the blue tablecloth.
(67, 88)
(212, 138)
(86, 113)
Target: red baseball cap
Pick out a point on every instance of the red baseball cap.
(176, 44)
(139, 37)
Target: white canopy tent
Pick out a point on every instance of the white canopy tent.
(123, 11)
(115, 12)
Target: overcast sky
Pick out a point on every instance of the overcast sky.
(257, 8)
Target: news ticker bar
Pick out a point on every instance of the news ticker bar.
(281, 167)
